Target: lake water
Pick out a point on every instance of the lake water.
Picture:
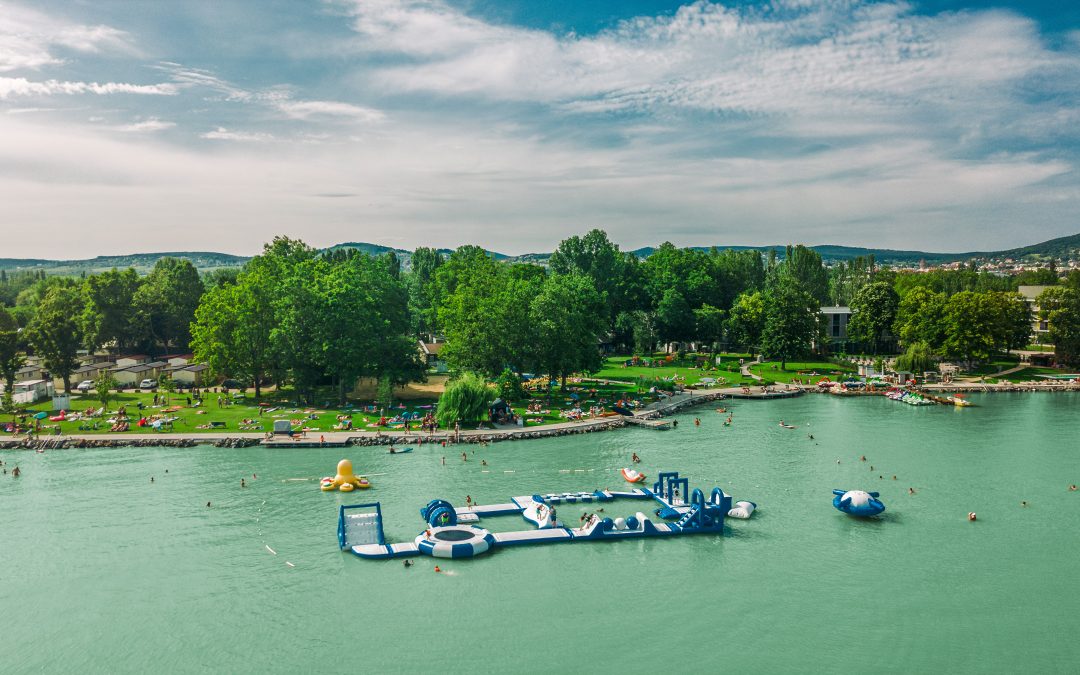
(100, 570)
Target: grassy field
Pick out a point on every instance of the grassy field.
(1034, 374)
(802, 370)
(685, 372)
(210, 417)
(230, 416)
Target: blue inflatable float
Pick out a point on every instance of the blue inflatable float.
(857, 502)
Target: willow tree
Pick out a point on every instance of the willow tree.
(465, 400)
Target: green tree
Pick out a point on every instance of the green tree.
(231, 332)
(790, 321)
(594, 256)
(674, 317)
(465, 399)
(110, 311)
(1013, 330)
(747, 320)
(105, 388)
(568, 319)
(640, 327)
(11, 356)
(424, 291)
(55, 332)
(970, 323)
(920, 317)
(918, 358)
(873, 311)
(166, 302)
(509, 387)
(804, 266)
(710, 323)
(485, 312)
(1060, 307)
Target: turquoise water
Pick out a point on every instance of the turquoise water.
(104, 571)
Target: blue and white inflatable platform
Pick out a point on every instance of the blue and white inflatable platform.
(453, 532)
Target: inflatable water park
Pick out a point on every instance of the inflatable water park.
(455, 531)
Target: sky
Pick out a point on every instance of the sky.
(216, 125)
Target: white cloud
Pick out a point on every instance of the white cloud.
(223, 134)
(797, 58)
(20, 86)
(28, 36)
(150, 124)
(302, 110)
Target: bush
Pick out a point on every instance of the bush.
(509, 386)
(465, 399)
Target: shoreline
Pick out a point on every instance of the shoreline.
(355, 438)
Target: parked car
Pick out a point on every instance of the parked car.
(85, 386)
(147, 384)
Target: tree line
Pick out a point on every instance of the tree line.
(318, 319)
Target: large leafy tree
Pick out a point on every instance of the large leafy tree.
(791, 321)
(166, 302)
(594, 256)
(674, 317)
(424, 291)
(804, 266)
(920, 317)
(1013, 329)
(710, 323)
(747, 320)
(231, 331)
(110, 312)
(485, 311)
(1060, 307)
(971, 322)
(11, 356)
(873, 311)
(568, 318)
(56, 332)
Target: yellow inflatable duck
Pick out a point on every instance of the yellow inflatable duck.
(345, 480)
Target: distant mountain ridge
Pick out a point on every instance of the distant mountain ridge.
(1063, 248)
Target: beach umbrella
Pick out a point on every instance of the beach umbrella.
(41, 415)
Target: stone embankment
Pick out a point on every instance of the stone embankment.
(83, 442)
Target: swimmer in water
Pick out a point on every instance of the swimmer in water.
(1023, 503)
(242, 483)
(863, 458)
(811, 436)
(408, 563)
(151, 479)
(207, 504)
(15, 472)
(1072, 488)
(911, 491)
(437, 569)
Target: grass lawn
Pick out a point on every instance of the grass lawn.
(210, 418)
(1035, 374)
(191, 419)
(995, 365)
(802, 370)
(615, 368)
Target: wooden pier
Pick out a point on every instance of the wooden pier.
(658, 424)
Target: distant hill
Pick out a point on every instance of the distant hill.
(1062, 248)
(203, 260)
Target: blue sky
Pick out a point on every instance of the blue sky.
(512, 124)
